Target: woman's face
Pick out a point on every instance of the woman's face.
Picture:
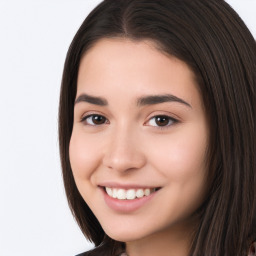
(139, 140)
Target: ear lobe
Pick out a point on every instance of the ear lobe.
(252, 250)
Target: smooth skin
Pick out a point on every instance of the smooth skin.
(122, 140)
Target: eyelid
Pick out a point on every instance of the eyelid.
(174, 120)
(90, 114)
(171, 117)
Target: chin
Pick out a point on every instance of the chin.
(125, 235)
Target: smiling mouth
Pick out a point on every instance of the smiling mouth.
(129, 194)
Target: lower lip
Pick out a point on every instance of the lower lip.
(126, 205)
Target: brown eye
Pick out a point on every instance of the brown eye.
(161, 121)
(94, 120)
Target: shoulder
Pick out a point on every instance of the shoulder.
(86, 254)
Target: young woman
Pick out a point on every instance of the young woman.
(157, 129)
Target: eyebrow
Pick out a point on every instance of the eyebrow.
(91, 99)
(142, 101)
(157, 99)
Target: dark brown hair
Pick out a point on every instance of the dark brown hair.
(212, 39)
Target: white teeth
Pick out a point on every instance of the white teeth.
(129, 194)
(147, 192)
(121, 194)
(139, 193)
(114, 193)
(109, 191)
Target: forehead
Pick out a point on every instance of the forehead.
(132, 54)
(137, 67)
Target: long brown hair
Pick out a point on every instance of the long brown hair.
(212, 39)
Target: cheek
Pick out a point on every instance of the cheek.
(83, 155)
(84, 159)
(181, 163)
(181, 157)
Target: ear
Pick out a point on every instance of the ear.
(252, 250)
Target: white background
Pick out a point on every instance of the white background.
(34, 38)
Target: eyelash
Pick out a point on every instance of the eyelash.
(171, 120)
(85, 118)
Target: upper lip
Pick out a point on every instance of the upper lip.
(125, 186)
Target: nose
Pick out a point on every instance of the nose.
(124, 152)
